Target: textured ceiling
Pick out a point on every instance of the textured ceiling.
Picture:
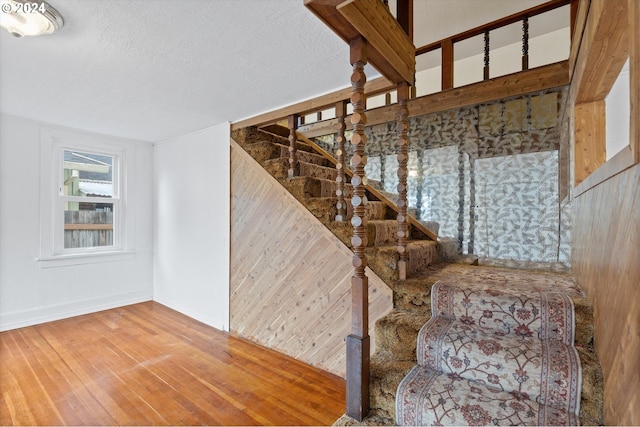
(156, 69)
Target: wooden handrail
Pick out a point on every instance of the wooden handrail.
(498, 23)
(373, 87)
(374, 191)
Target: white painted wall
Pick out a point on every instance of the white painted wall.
(618, 114)
(191, 221)
(30, 294)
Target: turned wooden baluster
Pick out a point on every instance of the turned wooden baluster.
(402, 124)
(358, 342)
(341, 205)
(525, 44)
(486, 55)
(294, 167)
(420, 183)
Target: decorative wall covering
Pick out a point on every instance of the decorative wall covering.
(488, 174)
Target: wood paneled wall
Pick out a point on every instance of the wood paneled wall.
(606, 262)
(606, 204)
(290, 277)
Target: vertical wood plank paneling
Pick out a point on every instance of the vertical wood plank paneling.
(590, 139)
(290, 277)
(606, 262)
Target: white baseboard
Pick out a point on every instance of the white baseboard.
(20, 319)
(207, 320)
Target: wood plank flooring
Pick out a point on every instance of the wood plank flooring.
(146, 364)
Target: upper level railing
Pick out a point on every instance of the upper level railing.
(455, 70)
(447, 45)
(381, 92)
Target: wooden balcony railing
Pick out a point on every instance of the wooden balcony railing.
(447, 45)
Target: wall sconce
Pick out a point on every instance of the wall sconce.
(29, 18)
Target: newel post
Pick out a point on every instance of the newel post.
(402, 125)
(341, 205)
(358, 341)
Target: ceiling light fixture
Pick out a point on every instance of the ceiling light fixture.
(29, 18)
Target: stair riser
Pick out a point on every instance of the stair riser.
(324, 208)
(592, 397)
(282, 151)
(382, 233)
(252, 135)
(397, 333)
(383, 260)
(279, 168)
(263, 151)
(416, 301)
(386, 374)
(315, 159)
(373, 210)
(315, 171)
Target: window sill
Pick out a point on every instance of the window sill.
(82, 259)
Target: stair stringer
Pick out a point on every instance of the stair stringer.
(290, 279)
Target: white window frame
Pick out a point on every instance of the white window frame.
(52, 251)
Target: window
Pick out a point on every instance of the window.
(84, 216)
(88, 200)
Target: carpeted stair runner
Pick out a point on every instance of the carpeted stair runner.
(494, 355)
(397, 337)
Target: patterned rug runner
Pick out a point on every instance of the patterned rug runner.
(494, 355)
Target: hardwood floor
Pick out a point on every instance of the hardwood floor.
(146, 364)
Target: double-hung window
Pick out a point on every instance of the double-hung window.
(84, 214)
(88, 204)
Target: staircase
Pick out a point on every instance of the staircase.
(316, 187)
(397, 333)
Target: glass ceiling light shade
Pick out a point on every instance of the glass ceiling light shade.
(29, 18)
